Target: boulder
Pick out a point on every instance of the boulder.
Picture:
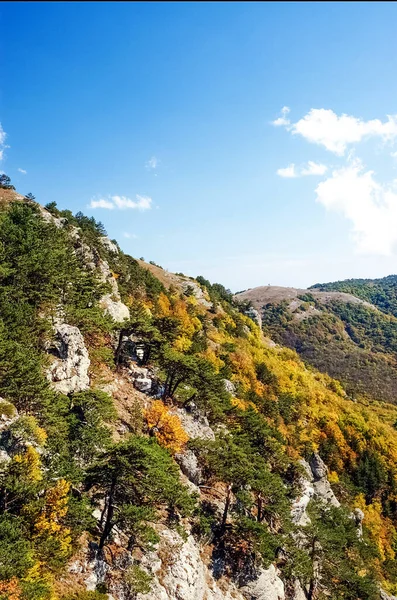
(112, 306)
(143, 384)
(69, 371)
(268, 586)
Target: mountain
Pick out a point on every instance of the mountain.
(348, 331)
(155, 444)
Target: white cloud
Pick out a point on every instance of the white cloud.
(101, 203)
(370, 206)
(130, 236)
(122, 202)
(288, 172)
(312, 168)
(152, 163)
(22, 171)
(324, 127)
(283, 120)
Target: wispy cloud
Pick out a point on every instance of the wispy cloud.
(3, 136)
(336, 132)
(312, 168)
(130, 236)
(283, 120)
(152, 163)
(22, 171)
(141, 203)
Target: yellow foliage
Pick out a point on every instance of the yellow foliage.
(30, 464)
(333, 477)
(243, 404)
(167, 427)
(381, 528)
(163, 306)
(49, 522)
(182, 343)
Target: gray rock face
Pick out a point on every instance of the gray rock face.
(196, 426)
(144, 384)
(69, 371)
(189, 466)
(268, 586)
(322, 487)
(229, 386)
(197, 292)
(318, 467)
(299, 594)
(114, 308)
(314, 484)
(109, 245)
(180, 574)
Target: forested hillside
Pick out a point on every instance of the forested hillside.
(351, 340)
(155, 445)
(380, 292)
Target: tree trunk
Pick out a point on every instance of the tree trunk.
(117, 355)
(109, 516)
(226, 509)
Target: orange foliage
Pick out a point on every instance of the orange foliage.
(167, 427)
(10, 590)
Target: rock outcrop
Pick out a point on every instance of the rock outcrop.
(314, 484)
(268, 586)
(68, 372)
(112, 305)
(180, 573)
(109, 245)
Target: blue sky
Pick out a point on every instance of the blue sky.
(160, 119)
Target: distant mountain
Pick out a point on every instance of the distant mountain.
(345, 329)
(380, 292)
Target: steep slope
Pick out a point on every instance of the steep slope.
(152, 445)
(340, 334)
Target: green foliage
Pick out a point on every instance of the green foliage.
(138, 580)
(16, 555)
(337, 562)
(85, 595)
(138, 476)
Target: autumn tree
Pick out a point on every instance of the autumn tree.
(166, 427)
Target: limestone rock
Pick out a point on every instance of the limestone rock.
(384, 596)
(113, 306)
(299, 594)
(229, 386)
(109, 245)
(195, 425)
(180, 573)
(69, 371)
(322, 487)
(189, 466)
(268, 586)
(197, 292)
(318, 467)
